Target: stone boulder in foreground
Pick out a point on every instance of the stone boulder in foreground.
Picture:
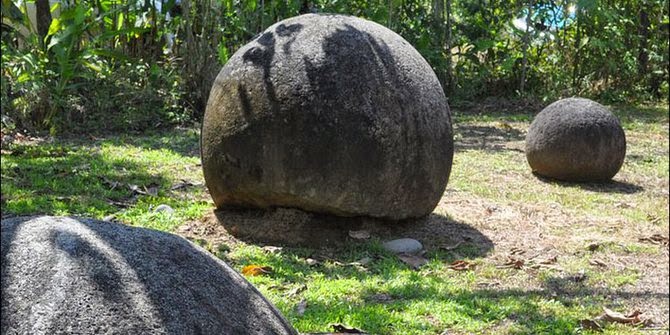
(332, 114)
(80, 276)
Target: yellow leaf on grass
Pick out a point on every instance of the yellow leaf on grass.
(256, 270)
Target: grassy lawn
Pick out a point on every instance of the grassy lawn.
(541, 255)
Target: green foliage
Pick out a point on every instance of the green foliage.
(85, 79)
(611, 51)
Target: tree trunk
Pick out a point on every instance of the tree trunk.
(449, 81)
(438, 29)
(43, 17)
(643, 54)
(575, 65)
(526, 43)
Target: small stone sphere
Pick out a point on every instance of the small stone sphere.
(331, 114)
(576, 139)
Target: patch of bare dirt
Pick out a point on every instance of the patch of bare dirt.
(532, 234)
(294, 227)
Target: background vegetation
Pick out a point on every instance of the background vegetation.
(100, 65)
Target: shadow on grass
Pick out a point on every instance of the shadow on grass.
(610, 186)
(641, 114)
(392, 294)
(487, 311)
(293, 227)
(389, 293)
(185, 142)
(64, 178)
(487, 138)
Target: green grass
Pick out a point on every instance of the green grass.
(95, 177)
(479, 166)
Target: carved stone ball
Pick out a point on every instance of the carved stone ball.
(576, 139)
(63, 275)
(332, 114)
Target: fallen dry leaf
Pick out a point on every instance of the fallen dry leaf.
(624, 205)
(488, 284)
(346, 330)
(151, 189)
(362, 262)
(120, 204)
(183, 184)
(587, 324)
(135, 189)
(655, 239)
(111, 183)
(633, 318)
(516, 251)
(359, 234)
(413, 260)
(461, 265)
(550, 260)
(515, 263)
(451, 247)
(597, 262)
(256, 270)
(301, 307)
(505, 125)
(653, 218)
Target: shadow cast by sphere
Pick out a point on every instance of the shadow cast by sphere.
(487, 138)
(297, 228)
(608, 186)
(488, 305)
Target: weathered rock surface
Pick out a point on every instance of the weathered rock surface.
(164, 208)
(576, 139)
(332, 114)
(80, 276)
(403, 245)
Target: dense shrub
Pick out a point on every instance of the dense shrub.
(113, 97)
(132, 97)
(76, 73)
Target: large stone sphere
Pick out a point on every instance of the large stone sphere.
(576, 139)
(80, 276)
(332, 114)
